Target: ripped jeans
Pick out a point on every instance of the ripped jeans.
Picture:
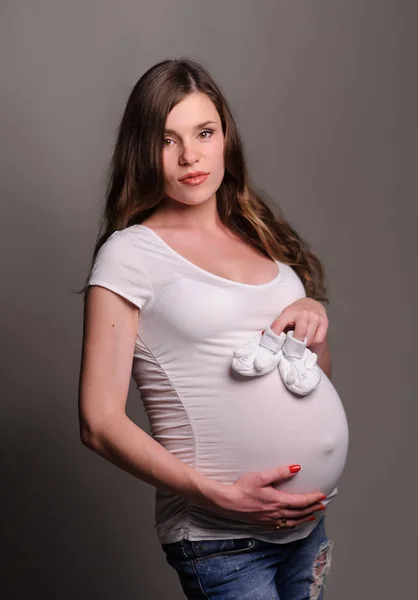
(251, 569)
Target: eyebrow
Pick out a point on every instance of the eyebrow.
(195, 128)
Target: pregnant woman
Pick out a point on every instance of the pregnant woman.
(191, 263)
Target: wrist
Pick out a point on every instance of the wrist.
(208, 493)
(323, 360)
(320, 349)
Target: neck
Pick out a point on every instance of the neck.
(173, 214)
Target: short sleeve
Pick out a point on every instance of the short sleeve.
(118, 268)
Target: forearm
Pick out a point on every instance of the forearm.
(324, 358)
(127, 446)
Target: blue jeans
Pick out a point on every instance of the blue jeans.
(251, 569)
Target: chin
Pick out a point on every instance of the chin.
(194, 198)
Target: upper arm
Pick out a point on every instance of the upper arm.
(118, 289)
(109, 334)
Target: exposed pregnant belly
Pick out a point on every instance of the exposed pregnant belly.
(259, 424)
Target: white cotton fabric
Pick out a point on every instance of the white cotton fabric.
(298, 367)
(260, 355)
(267, 351)
(210, 417)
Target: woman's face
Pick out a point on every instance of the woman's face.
(193, 141)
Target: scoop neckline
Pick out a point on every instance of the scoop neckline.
(208, 273)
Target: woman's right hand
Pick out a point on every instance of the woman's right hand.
(252, 498)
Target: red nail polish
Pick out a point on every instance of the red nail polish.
(323, 497)
(294, 468)
(312, 519)
(323, 507)
(262, 331)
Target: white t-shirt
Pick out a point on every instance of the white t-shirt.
(210, 417)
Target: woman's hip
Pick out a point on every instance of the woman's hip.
(249, 568)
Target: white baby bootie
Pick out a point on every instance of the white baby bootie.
(260, 355)
(298, 367)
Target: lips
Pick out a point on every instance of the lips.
(194, 181)
(194, 174)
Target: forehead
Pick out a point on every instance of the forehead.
(194, 108)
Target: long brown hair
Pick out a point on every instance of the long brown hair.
(135, 182)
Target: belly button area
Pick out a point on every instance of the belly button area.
(328, 446)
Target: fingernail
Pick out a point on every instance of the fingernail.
(294, 468)
(323, 497)
(312, 519)
(323, 507)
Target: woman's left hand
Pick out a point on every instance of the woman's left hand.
(307, 317)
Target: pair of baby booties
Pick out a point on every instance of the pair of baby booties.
(267, 350)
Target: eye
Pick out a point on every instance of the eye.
(208, 131)
(165, 140)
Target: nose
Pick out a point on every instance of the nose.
(189, 154)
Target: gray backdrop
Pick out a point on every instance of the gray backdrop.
(325, 95)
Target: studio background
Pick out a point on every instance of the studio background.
(325, 95)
